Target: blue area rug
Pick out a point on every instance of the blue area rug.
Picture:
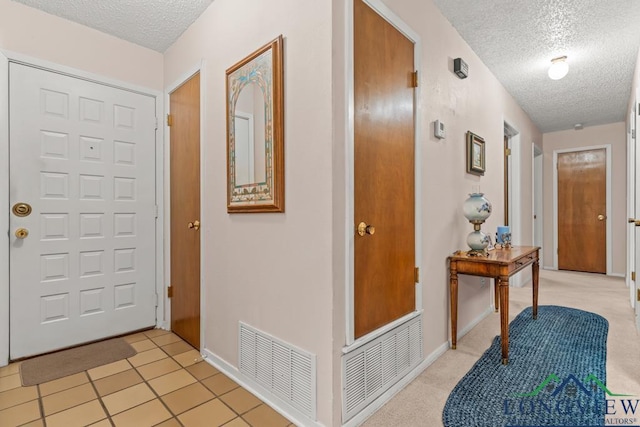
(555, 377)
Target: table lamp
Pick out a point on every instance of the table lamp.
(477, 209)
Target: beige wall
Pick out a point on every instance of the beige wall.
(37, 34)
(615, 135)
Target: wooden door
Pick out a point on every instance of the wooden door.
(384, 261)
(582, 208)
(185, 210)
(82, 155)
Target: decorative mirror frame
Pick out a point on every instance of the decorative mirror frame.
(256, 68)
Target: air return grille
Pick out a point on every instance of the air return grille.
(373, 368)
(287, 372)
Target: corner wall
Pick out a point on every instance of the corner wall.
(614, 134)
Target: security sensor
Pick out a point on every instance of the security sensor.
(460, 68)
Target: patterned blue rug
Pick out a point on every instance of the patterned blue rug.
(555, 377)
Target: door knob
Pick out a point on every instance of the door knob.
(634, 221)
(195, 225)
(22, 233)
(601, 217)
(363, 229)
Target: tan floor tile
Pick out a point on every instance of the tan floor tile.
(169, 423)
(238, 422)
(187, 397)
(240, 400)
(128, 398)
(117, 382)
(170, 382)
(78, 416)
(189, 358)
(176, 348)
(9, 382)
(220, 384)
(67, 399)
(152, 333)
(17, 396)
(135, 337)
(10, 369)
(109, 369)
(264, 416)
(202, 370)
(20, 414)
(36, 423)
(166, 339)
(143, 345)
(156, 369)
(63, 383)
(149, 414)
(210, 414)
(148, 356)
(103, 423)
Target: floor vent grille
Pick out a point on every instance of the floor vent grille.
(287, 372)
(373, 368)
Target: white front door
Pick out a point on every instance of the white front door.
(82, 154)
(636, 169)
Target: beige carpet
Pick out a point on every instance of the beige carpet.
(68, 362)
(422, 401)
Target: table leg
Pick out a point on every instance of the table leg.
(504, 317)
(536, 274)
(496, 293)
(453, 289)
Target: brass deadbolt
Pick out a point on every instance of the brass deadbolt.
(21, 209)
(22, 233)
(601, 217)
(363, 229)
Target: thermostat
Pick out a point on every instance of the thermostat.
(460, 68)
(438, 129)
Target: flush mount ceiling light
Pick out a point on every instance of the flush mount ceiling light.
(559, 68)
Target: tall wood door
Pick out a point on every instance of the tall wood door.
(82, 262)
(582, 208)
(185, 210)
(384, 288)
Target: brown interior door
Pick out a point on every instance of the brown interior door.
(185, 210)
(384, 288)
(582, 208)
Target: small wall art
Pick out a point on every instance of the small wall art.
(475, 154)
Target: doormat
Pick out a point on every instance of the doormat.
(555, 377)
(68, 362)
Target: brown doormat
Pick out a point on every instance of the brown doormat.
(68, 362)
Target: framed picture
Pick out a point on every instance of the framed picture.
(475, 154)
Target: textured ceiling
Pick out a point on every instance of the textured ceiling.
(155, 24)
(517, 39)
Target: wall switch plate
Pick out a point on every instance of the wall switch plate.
(438, 129)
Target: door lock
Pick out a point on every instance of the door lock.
(363, 229)
(194, 225)
(21, 209)
(634, 221)
(22, 233)
(601, 217)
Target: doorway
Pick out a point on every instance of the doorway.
(384, 172)
(184, 132)
(582, 210)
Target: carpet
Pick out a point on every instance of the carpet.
(555, 377)
(68, 362)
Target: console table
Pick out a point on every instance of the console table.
(500, 265)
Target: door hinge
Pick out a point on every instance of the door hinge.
(156, 211)
(414, 79)
(416, 274)
(507, 151)
(633, 276)
(156, 298)
(633, 133)
(170, 292)
(156, 123)
(638, 296)
(169, 120)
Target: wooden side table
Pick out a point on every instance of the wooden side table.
(501, 264)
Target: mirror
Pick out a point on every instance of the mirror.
(255, 132)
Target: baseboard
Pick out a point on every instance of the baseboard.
(624, 276)
(550, 267)
(397, 387)
(277, 404)
(464, 331)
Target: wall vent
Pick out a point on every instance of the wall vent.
(370, 370)
(284, 370)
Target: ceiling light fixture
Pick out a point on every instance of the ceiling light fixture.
(559, 68)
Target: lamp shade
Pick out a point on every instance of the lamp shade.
(559, 68)
(476, 208)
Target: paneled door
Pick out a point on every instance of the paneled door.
(582, 210)
(82, 261)
(384, 172)
(185, 210)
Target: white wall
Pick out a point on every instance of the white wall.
(614, 134)
(272, 271)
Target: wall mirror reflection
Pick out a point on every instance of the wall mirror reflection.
(255, 132)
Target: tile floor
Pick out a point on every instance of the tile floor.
(166, 385)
